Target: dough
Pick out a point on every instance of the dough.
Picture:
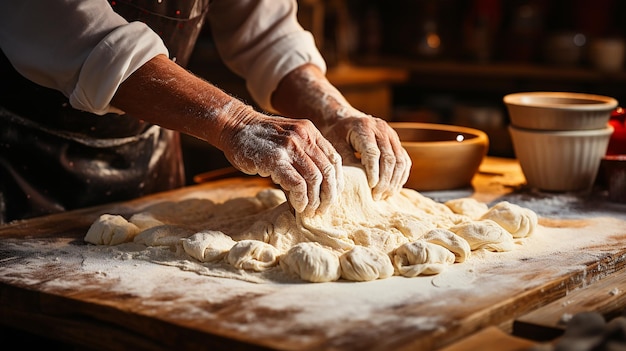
(467, 206)
(310, 261)
(519, 221)
(421, 257)
(111, 230)
(485, 234)
(364, 264)
(456, 244)
(253, 255)
(208, 246)
(162, 235)
(357, 239)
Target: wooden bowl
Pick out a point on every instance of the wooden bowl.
(444, 156)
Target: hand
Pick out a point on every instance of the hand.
(386, 162)
(292, 152)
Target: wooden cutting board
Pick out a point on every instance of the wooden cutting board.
(52, 283)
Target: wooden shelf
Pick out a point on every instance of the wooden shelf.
(500, 70)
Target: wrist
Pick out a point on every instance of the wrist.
(231, 118)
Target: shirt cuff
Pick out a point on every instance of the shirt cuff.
(115, 58)
(287, 54)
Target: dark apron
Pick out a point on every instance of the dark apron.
(55, 158)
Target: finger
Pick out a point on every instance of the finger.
(331, 168)
(324, 184)
(332, 183)
(408, 163)
(291, 181)
(366, 145)
(387, 166)
(400, 171)
(308, 163)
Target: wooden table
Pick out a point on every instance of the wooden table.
(53, 284)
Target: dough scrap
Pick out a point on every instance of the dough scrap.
(485, 234)
(162, 235)
(311, 262)
(253, 255)
(421, 257)
(364, 264)
(519, 221)
(445, 238)
(208, 246)
(111, 230)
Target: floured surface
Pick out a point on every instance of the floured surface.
(358, 239)
(49, 256)
(382, 314)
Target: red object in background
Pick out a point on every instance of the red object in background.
(617, 143)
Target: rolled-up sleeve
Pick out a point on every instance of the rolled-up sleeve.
(262, 41)
(81, 48)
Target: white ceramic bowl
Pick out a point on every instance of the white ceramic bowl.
(560, 161)
(559, 110)
(444, 156)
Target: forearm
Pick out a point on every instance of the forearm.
(306, 93)
(163, 93)
(357, 136)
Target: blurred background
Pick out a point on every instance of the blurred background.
(446, 61)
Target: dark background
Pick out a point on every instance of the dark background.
(487, 49)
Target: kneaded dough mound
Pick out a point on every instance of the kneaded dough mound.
(357, 239)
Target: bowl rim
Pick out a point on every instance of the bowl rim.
(481, 137)
(604, 102)
(565, 133)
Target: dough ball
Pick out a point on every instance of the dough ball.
(467, 206)
(421, 257)
(162, 235)
(517, 220)
(365, 264)
(312, 262)
(253, 255)
(208, 246)
(457, 245)
(485, 234)
(111, 230)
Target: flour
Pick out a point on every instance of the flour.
(161, 281)
(407, 234)
(164, 281)
(587, 204)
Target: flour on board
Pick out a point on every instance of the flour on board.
(357, 239)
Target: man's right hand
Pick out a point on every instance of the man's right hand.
(291, 151)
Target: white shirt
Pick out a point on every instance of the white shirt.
(85, 50)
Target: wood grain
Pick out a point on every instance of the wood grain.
(97, 313)
(606, 296)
